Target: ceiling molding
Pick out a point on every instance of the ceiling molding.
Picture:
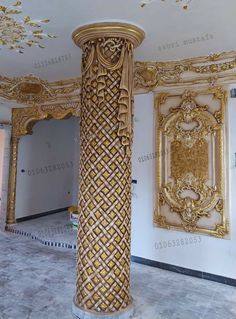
(32, 90)
(213, 69)
(149, 76)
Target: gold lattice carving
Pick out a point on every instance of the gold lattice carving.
(184, 184)
(103, 283)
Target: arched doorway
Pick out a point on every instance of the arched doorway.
(23, 120)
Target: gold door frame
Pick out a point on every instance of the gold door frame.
(23, 120)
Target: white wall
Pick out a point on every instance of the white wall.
(5, 114)
(50, 171)
(198, 252)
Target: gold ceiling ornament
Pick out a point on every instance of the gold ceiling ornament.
(191, 176)
(183, 3)
(17, 33)
(214, 68)
(33, 90)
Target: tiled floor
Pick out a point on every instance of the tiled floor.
(54, 229)
(37, 282)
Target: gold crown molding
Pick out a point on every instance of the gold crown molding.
(212, 69)
(32, 90)
(94, 31)
(148, 76)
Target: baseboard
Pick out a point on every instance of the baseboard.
(185, 271)
(54, 211)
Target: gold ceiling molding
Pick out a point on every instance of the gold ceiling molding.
(23, 120)
(33, 90)
(148, 76)
(17, 33)
(191, 183)
(212, 69)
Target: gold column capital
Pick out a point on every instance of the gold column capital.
(93, 31)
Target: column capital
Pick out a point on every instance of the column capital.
(94, 31)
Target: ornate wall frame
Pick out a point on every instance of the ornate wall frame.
(23, 120)
(190, 173)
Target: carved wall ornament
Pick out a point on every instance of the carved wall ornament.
(17, 33)
(32, 90)
(191, 177)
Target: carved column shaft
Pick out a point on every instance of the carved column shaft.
(12, 181)
(103, 268)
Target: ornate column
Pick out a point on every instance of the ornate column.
(103, 266)
(12, 181)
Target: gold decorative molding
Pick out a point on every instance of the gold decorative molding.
(23, 120)
(130, 32)
(32, 90)
(212, 69)
(11, 202)
(148, 76)
(191, 176)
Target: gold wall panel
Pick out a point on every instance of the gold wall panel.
(191, 167)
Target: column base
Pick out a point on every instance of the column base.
(80, 313)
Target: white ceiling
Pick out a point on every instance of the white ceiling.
(163, 22)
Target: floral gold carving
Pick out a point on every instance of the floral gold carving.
(185, 188)
(181, 165)
(207, 69)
